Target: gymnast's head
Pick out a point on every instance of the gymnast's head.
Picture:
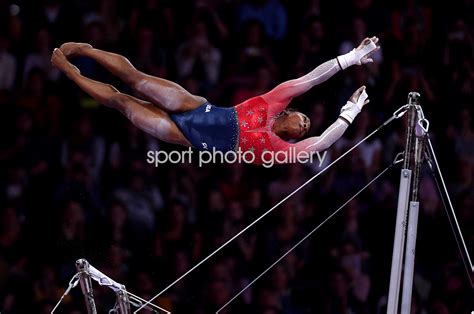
(291, 124)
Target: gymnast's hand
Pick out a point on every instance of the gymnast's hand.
(361, 54)
(354, 105)
(366, 48)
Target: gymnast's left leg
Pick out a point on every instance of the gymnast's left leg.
(166, 94)
(142, 114)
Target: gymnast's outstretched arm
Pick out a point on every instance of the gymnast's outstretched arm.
(280, 96)
(337, 129)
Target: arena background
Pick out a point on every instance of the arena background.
(75, 183)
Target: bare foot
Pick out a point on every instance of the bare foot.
(58, 59)
(71, 49)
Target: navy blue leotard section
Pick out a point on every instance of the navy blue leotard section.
(208, 127)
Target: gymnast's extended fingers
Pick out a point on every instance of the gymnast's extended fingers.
(355, 96)
(364, 42)
(374, 39)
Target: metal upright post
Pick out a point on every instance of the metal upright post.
(410, 257)
(123, 302)
(84, 276)
(402, 211)
(82, 267)
(420, 133)
(399, 242)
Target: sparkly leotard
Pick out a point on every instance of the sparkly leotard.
(255, 132)
(248, 126)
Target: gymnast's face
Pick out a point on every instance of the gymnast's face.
(293, 125)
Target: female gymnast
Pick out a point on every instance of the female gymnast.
(172, 114)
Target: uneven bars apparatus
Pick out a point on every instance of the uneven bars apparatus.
(88, 272)
(400, 239)
(408, 209)
(84, 276)
(404, 247)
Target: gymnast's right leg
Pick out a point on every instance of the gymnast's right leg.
(166, 94)
(142, 114)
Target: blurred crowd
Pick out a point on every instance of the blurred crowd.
(75, 183)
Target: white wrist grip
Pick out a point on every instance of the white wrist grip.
(355, 55)
(351, 109)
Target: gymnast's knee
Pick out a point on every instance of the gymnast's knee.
(117, 100)
(135, 79)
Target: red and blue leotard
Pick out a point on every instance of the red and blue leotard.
(248, 126)
(255, 119)
(245, 127)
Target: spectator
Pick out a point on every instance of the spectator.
(41, 57)
(156, 15)
(106, 12)
(271, 13)
(143, 201)
(117, 227)
(71, 234)
(122, 152)
(34, 96)
(58, 17)
(46, 288)
(85, 141)
(262, 83)
(8, 68)
(314, 48)
(149, 57)
(464, 139)
(198, 57)
(255, 51)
